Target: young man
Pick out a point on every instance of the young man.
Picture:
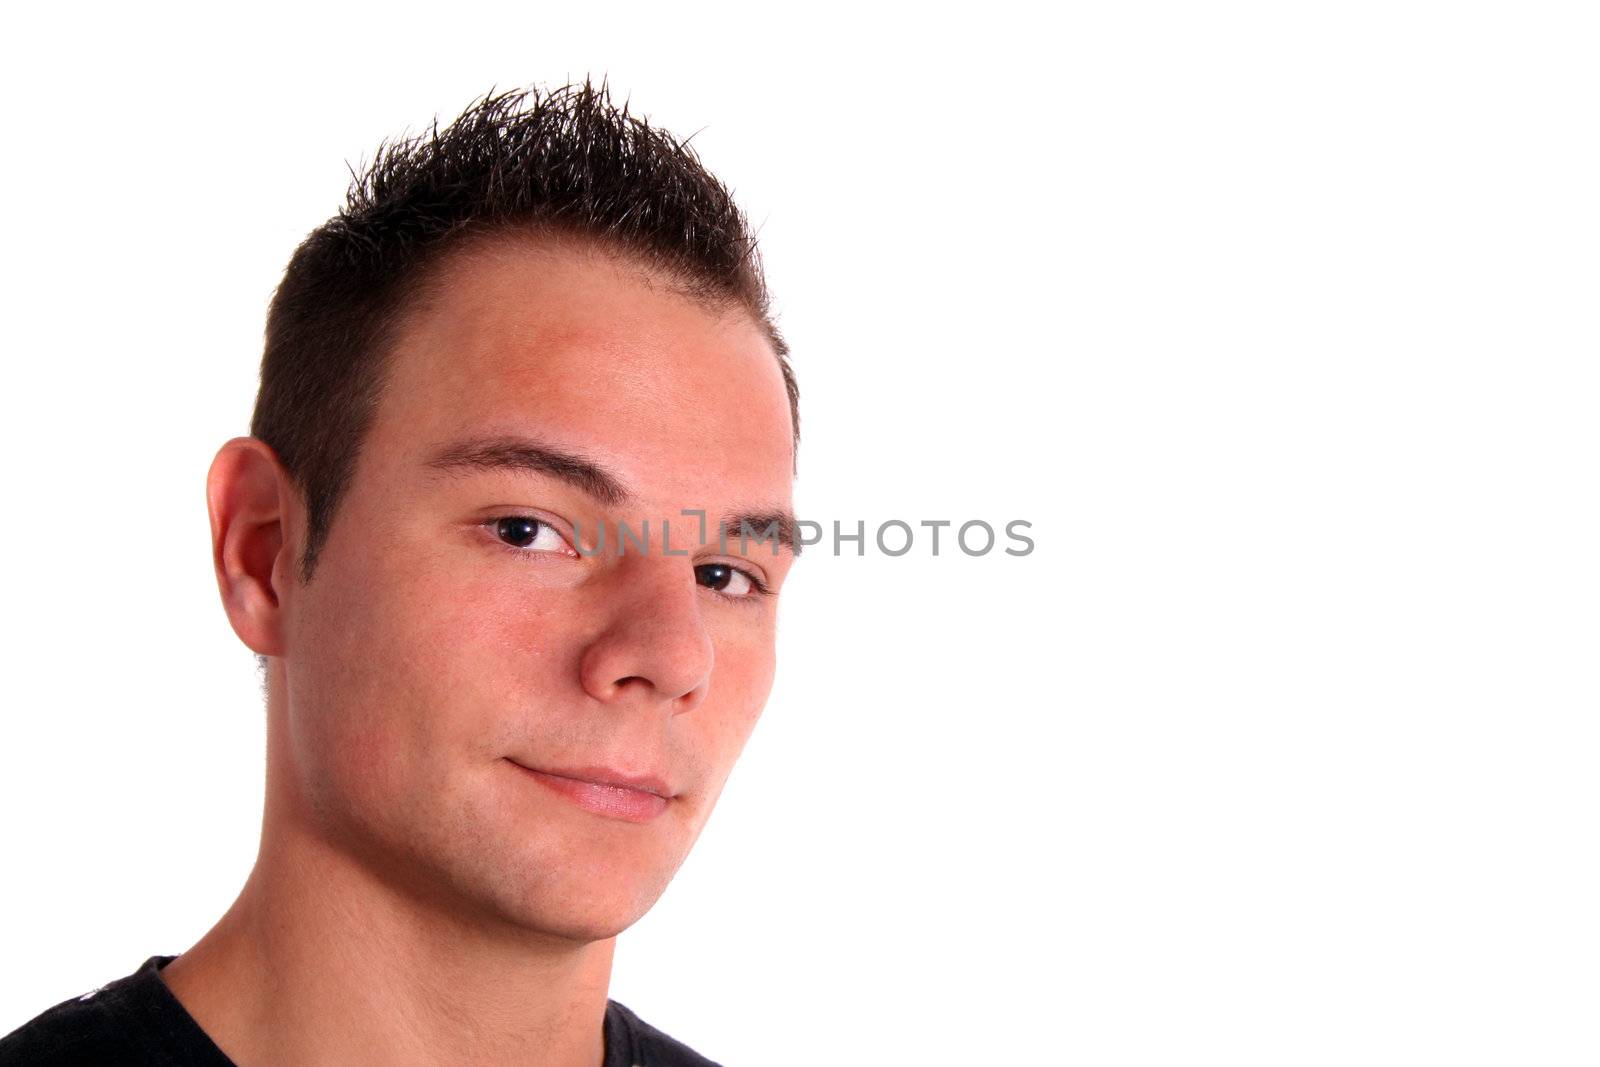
(509, 663)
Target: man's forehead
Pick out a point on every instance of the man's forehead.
(586, 350)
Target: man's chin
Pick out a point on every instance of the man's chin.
(533, 883)
(575, 929)
(565, 905)
(572, 915)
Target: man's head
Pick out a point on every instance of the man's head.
(527, 329)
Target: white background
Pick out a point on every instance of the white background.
(1278, 322)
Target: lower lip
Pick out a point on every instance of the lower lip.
(612, 801)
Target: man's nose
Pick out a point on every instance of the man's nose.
(655, 647)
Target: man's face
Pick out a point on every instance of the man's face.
(458, 676)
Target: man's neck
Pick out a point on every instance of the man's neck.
(321, 962)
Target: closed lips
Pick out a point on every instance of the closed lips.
(606, 792)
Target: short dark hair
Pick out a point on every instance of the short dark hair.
(566, 162)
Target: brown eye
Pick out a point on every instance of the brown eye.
(525, 531)
(725, 579)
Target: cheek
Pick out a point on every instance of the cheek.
(394, 683)
(740, 685)
(451, 660)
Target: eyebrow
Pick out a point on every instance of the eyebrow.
(781, 523)
(526, 454)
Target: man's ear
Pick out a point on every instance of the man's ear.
(251, 499)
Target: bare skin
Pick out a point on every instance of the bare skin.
(421, 896)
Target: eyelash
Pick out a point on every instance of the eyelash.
(756, 583)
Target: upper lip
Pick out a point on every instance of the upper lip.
(644, 783)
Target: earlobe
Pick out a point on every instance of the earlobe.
(248, 498)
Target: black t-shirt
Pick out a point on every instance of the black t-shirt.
(137, 1022)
